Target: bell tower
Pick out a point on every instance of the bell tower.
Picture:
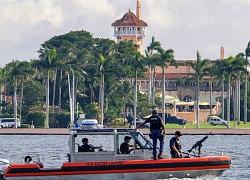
(131, 27)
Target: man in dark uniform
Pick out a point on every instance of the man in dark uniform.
(87, 147)
(157, 130)
(124, 147)
(175, 145)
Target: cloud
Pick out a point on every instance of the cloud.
(31, 12)
(241, 26)
(185, 26)
(157, 15)
(102, 7)
(21, 19)
(237, 2)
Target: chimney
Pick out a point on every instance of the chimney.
(222, 53)
(138, 9)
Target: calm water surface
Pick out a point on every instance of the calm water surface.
(53, 150)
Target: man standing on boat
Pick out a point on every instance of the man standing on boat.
(175, 145)
(157, 131)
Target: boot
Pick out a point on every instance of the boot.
(154, 156)
(160, 156)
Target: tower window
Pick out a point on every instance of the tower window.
(139, 30)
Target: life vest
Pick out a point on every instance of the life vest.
(155, 123)
(177, 144)
(86, 148)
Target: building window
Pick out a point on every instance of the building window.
(139, 30)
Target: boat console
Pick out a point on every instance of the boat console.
(111, 140)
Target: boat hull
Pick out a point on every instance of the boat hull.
(129, 176)
(126, 170)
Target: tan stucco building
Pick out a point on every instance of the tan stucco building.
(131, 27)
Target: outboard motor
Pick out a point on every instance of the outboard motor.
(4, 164)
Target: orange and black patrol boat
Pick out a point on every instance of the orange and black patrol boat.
(108, 163)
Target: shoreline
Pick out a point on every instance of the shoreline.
(65, 131)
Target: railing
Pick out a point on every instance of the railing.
(129, 32)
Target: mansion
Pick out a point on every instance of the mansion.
(132, 27)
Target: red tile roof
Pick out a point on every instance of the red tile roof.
(129, 19)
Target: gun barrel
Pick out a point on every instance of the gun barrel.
(198, 143)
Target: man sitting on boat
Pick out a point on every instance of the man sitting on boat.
(86, 147)
(28, 160)
(175, 145)
(125, 146)
(157, 131)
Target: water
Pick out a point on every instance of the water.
(53, 150)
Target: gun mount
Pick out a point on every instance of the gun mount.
(198, 145)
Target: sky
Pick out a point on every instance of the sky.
(186, 26)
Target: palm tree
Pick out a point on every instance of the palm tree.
(247, 53)
(232, 67)
(150, 49)
(220, 76)
(228, 74)
(47, 62)
(17, 71)
(199, 67)
(54, 91)
(13, 73)
(148, 61)
(155, 61)
(240, 69)
(166, 58)
(25, 73)
(211, 72)
(61, 63)
(75, 65)
(137, 65)
(102, 60)
(2, 85)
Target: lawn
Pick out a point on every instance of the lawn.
(208, 126)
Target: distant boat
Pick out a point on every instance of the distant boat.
(89, 124)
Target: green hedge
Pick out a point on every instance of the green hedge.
(25, 126)
(38, 119)
(59, 120)
(8, 115)
(56, 120)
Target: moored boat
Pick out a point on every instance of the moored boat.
(110, 164)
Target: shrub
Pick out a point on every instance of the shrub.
(7, 116)
(61, 120)
(25, 126)
(92, 110)
(38, 119)
(118, 122)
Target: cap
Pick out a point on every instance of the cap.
(85, 140)
(154, 112)
(178, 133)
(127, 138)
(27, 159)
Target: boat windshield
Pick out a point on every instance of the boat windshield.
(141, 140)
